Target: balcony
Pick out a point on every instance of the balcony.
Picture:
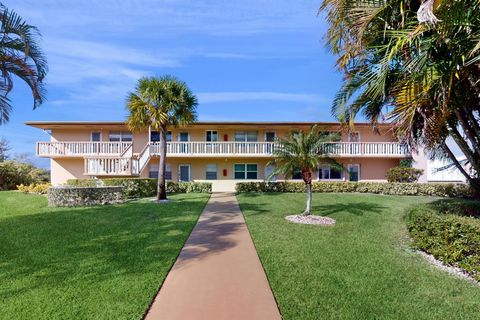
(266, 149)
(81, 149)
(214, 149)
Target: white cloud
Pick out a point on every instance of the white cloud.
(215, 97)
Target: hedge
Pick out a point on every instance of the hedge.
(84, 196)
(403, 174)
(443, 230)
(417, 189)
(140, 188)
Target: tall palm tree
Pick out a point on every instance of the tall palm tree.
(304, 152)
(21, 56)
(160, 102)
(415, 63)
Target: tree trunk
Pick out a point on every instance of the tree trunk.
(309, 200)
(474, 182)
(307, 178)
(161, 188)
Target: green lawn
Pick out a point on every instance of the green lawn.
(88, 263)
(361, 268)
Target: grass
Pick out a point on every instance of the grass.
(361, 268)
(88, 263)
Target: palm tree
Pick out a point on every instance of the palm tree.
(415, 63)
(21, 56)
(304, 152)
(160, 102)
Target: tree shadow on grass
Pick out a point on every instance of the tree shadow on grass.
(64, 247)
(354, 208)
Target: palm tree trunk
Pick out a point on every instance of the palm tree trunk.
(307, 178)
(161, 188)
(309, 200)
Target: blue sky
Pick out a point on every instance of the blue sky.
(245, 60)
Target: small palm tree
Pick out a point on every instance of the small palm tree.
(20, 56)
(304, 151)
(159, 102)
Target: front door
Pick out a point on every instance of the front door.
(268, 172)
(354, 172)
(184, 172)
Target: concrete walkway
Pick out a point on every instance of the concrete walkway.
(218, 274)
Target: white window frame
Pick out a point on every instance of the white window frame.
(246, 171)
(352, 165)
(269, 131)
(168, 168)
(246, 135)
(265, 175)
(354, 132)
(91, 136)
(166, 135)
(180, 133)
(189, 172)
(206, 131)
(342, 176)
(216, 171)
(121, 135)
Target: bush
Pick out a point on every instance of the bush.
(417, 189)
(403, 174)
(84, 196)
(442, 229)
(14, 173)
(37, 188)
(140, 188)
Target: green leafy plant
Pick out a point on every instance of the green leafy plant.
(14, 173)
(415, 189)
(140, 187)
(403, 174)
(37, 188)
(304, 152)
(445, 232)
(159, 102)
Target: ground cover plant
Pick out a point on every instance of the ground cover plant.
(361, 268)
(450, 231)
(88, 263)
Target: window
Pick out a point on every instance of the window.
(354, 136)
(155, 136)
(153, 171)
(329, 173)
(269, 136)
(297, 174)
(211, 172)
(96, 136)
(120, 136)
(246, 171)
(211, 136)
(246, 136)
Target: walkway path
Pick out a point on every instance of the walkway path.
(218, 274)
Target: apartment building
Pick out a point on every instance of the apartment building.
(219, 152)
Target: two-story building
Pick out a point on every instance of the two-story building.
(219, 152)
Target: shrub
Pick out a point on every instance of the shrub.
(442, 229)
(37, 188)
(418, 189)
(14, 173)
(140, 188)
(403, 174)
(84, 196)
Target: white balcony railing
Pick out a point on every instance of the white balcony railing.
(56, 149)
(114, 166)
(371, 149)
